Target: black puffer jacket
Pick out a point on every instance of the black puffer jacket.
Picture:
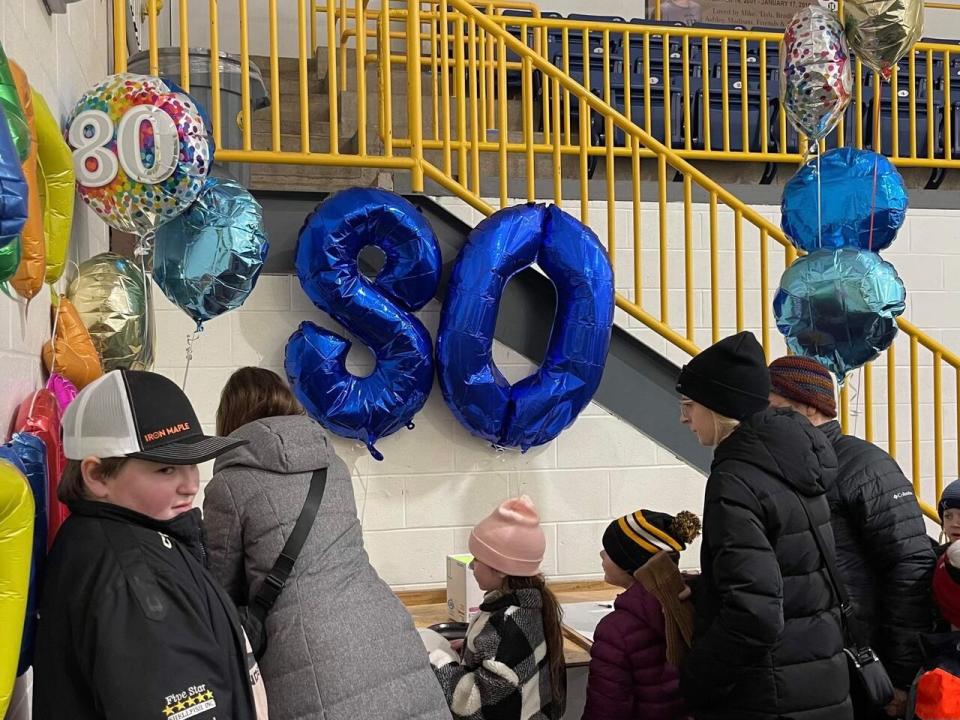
(132, 626)
(768, 642)
(883, 553)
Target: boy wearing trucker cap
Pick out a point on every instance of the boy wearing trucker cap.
(131, 623)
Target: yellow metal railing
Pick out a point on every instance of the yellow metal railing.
(692, 261)
(665, 77)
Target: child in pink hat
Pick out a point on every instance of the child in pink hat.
(512, 664)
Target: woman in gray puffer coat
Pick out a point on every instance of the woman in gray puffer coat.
(340, 644)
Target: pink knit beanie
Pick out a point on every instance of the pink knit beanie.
(510, 539)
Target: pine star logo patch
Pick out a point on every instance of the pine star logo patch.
(191, 702)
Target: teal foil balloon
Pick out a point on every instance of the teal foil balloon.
(839, 307)
(208, 259)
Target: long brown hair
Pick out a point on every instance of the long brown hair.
(552, 632)
(253, 393)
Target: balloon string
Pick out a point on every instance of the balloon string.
(142, 249)
(819, 206)
(853, 406)
(873, 202)
(53, 336)
(191, 339)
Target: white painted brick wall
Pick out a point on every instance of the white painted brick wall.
(437, 480)
(62, 56)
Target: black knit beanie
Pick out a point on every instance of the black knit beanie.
(729, 377)
(949, 499)
(635, 538)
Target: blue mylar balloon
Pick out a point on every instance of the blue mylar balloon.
(377, 312)
(207, 259)
(863, 202)
(13, 187)
(539, 407)
(839, 307)
(28, 454)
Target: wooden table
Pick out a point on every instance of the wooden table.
(428, 607)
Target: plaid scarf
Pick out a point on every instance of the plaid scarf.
(505, 671)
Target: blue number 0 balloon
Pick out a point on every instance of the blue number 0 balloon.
(28, 454)
(377, 312)
(539, 407)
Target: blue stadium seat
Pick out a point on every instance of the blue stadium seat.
(637, 110)
(923, 138)
(737, 116)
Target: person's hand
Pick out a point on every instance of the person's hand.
(897, 706)
(685, 593)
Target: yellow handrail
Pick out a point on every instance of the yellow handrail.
(774, 144)
(689, 266)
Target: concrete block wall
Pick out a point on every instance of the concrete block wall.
(419, 504)
(437, 480)
(62, 55)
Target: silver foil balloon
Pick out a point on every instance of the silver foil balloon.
(815, 71)
(207, 260)
(839, 307)
(110, 295)
(881, 32)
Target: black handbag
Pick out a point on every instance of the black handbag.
(869, 681)
(253, 617)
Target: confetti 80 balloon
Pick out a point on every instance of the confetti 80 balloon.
(140, 151)
(816, 71)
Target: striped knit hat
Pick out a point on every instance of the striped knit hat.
(635, 538)
(804, 381)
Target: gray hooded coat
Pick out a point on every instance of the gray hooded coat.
(340, 644)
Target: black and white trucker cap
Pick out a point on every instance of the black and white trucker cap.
(129, 413)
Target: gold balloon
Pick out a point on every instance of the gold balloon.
(881, 32)
(71, 352)
(112, 299)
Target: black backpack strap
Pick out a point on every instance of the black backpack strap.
(850, 626)
(278, 575)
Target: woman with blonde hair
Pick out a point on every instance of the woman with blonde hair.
(337, 644)
(768, 641)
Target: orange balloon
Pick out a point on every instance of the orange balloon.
(76, 357)
(33, 262)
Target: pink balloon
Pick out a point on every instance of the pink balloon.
(39, 414)
(63, 390)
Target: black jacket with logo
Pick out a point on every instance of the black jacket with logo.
(883, 552)
(768, 643)
(132, 626)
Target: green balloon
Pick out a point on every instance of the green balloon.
(10, 101)
(9, 259)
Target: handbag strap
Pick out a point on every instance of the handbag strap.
(846, 610)
(277, 577)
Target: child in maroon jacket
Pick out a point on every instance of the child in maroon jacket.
(630, 675)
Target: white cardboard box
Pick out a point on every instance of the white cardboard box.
(463, 594)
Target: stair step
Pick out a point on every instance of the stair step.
(319, 140)
(315, 178)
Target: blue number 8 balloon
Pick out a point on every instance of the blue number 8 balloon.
(539, 407)
(377, 312)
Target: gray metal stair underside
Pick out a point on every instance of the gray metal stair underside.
(638, 383)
